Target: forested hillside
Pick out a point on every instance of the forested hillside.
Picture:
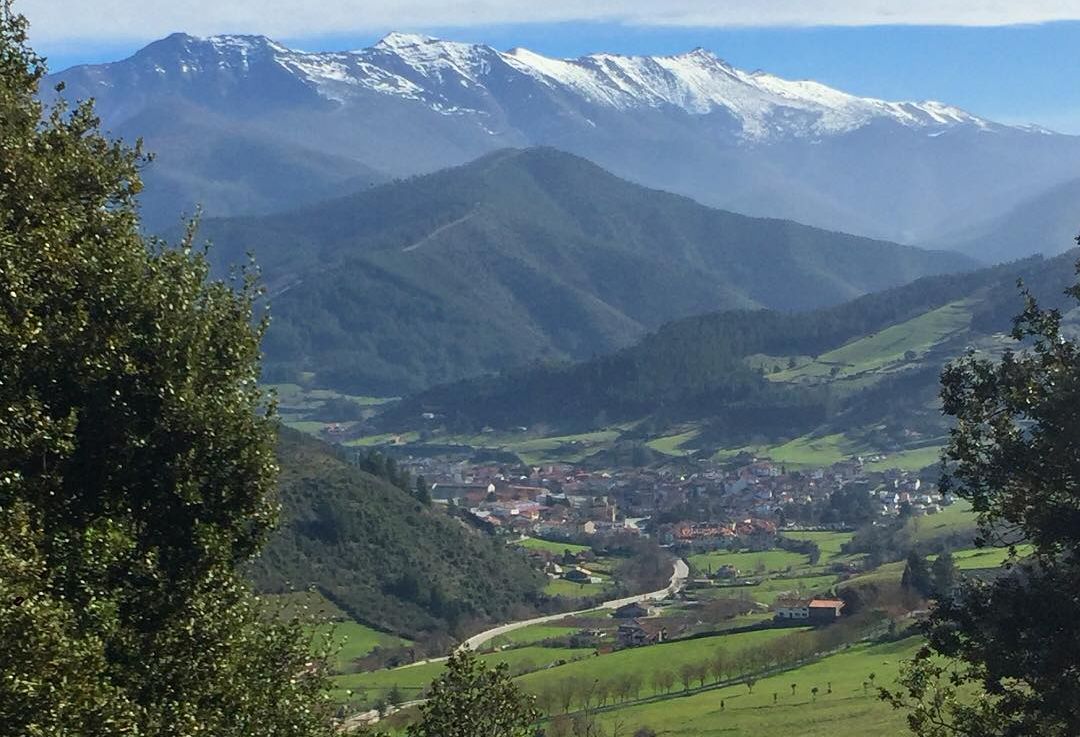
(760, 372)
(525, 255)
(379, 554)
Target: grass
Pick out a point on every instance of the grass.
(294, 396)
(915, 459)
(883, 351)
(369, 441)
(412, 679)
(354, 640)
(848, 710)
(827, 541)
(955, 519)
(672, 444)
(552, 546)
(975, 558)
(820, 451)
(647, 660)
(748, 563)
(771, 589)
(571, 590)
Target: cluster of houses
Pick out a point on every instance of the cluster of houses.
(899, 489)
(739, 498)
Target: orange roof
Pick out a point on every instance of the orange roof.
(830, 603)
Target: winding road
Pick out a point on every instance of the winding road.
(678, 580)
(680, 572)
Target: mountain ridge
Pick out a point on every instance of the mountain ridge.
(525, 255)
(691, 124)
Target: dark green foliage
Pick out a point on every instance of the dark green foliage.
(378, 553)
(136, 457)
(526, 255)
(696, 368)
(916, 576)
(1014, 454)
(471, 699)
(943, 575)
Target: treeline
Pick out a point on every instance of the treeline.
(716, 667)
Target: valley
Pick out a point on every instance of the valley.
(431, 389)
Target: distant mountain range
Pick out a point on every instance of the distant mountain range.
(245, 125)
(520, 256)
(1047, 223)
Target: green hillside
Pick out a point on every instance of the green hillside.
(525, 255)
(818, 387)
(376, 553)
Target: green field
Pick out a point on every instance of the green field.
(571, 590)
(771, 589)
(672, 444)
(828, 542)
(954, 519)
(552, 546)
(975, 558)
(749, 563)
(645, 660)
(883, 351)
(370, 441)
(848, 710)
(353, 640)
(914, 459)
(412, 679)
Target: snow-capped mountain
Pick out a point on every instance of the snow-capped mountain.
(692, 123)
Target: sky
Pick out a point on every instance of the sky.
(1015, 61)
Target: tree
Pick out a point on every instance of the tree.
(686, 675)
(1012, 453)
(813, 693)
(750, 682)
(423, 491)
(943, 575)
(393, 696)
(470, 699)
(916, 576)
(137, 468)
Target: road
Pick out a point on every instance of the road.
(678, 580)
(680, 572)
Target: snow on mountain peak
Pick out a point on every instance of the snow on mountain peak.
(451, 77)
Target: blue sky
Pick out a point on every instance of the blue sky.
(1014, 73)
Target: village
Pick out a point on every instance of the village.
(694, 506)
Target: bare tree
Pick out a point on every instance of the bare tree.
(750, 681)
(718, 665)
(701, 672)
(686, 675)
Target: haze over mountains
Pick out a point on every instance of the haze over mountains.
(247, 126)
(525, 255)
(873, 361)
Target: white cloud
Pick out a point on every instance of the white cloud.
(77, 20)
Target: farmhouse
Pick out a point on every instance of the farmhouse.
(641, 632)
(633, 610)
(814, 610)
(825, 610)
(792, 609)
